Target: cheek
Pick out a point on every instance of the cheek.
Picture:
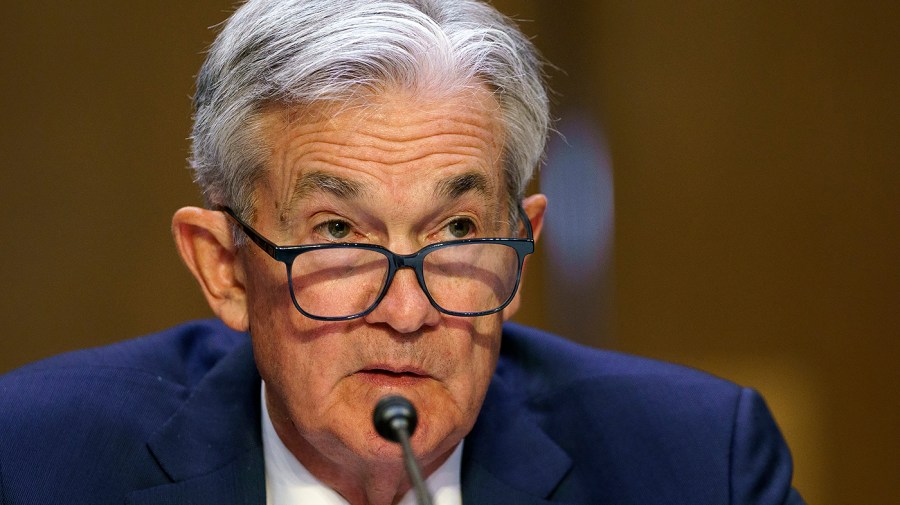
(269, 317)
(474, 368)
(302, 367)
(281, 336)
(448, 415)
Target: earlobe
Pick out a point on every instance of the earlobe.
(204, 242)
(535, 206)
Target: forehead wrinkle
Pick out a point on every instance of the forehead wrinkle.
(435, 160)
(386, 120)
(348, 146)
(393, 130)
(412, 144)
(390, 147)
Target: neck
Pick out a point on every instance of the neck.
(380, 479)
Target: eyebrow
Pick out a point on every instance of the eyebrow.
(320, 181)
(458, 185)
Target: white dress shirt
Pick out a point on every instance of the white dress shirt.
(288, 482)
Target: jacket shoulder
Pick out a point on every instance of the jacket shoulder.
(620, 398)
(181, 354)
(546, 363)
(112, 383)
(84, 417)
(634, 425)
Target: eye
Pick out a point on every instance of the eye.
(334, 229)
(460, 228)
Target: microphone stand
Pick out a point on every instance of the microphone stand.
(395, 419)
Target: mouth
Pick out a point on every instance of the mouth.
(392, 376)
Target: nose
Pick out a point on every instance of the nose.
(405, 308)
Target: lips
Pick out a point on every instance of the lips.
(389, 375)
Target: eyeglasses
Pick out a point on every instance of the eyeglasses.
(342, 281)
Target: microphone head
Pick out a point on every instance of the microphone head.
(392, 414)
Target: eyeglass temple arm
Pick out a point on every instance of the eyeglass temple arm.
(526, 221)
(257, 239)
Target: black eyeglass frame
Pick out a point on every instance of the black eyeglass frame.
(416, 261)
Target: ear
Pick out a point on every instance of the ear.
(535, 206)
(205, 243)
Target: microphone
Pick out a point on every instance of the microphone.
(395, 420)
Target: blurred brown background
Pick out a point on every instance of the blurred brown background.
(754, 154)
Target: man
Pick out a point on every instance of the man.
(364, 165)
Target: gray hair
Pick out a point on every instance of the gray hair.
(300, 52)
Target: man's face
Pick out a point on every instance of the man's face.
(402, 172)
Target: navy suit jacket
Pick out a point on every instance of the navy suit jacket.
(174, 418)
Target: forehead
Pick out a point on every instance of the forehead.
(389, 145)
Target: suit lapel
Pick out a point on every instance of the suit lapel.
(212, 448)
(480, 486)
(239, 482)
(508, 458)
